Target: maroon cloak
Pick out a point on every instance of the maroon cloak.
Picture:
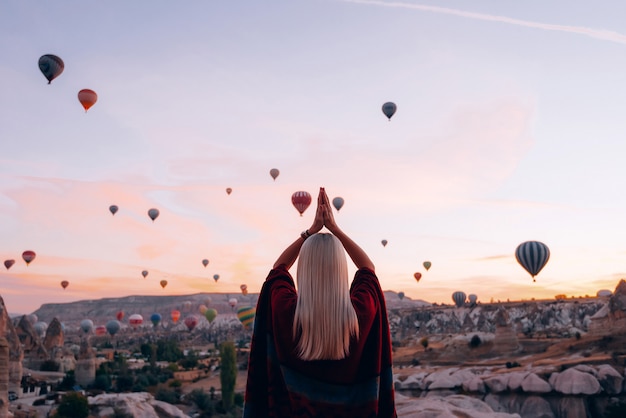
(282, 385)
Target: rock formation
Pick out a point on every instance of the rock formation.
(16, 354)
(140, 404)
(505, 340)
(85, 372)
(611, 319)
(34, 352)
(54, 336)
(4, 378)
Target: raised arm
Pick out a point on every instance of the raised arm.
(289, 255)
(356, 253)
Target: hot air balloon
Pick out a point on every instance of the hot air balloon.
(153, 214)
(216, 277)
(244, 289)
(205, 262)
(229, 190)
(604, 293)
(28, 256)
(119, 315)
(210, 315)
(246, 315)
(427, 265)
(389, 109)
(533, 256)
(100, 330)
(187, 305)
(113, 209)
(32, 318)
(191, 321)
(163, 283)
(144, 273)
(87, 98)
(155, 318)
(202, 309)
(51, 66)
(64, 284)
(274, 173)
(86, 325)
(208, 301)
(175, 315)
(459, 298)
(40, 328)
(472, 298)
(232, 302)
(301, 201)
(338, 203)
(113, 326)
(8, 263)
(384, 242)
(417, 276)
(401, 295)
(135, 320)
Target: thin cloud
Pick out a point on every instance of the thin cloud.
(604, 35)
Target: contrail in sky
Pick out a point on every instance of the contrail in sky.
(593, 33)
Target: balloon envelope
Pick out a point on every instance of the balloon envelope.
(604, 293)
(472, 298)
(216, 277)
(86, 325)
(64, 284)
(101, 330)
(205, 262)
(144, 273)
(301, 201)
(8, 263)
(155, 318)
(274, 173)
(401, 295)
(533, 256)
(229, 190)
(338, 202)
(427, 265)
(113, 209)
(459, 298)
(153, 213)
(175, 315)
(417, 276)
(389, 109)
(119, 315)
(232, 302)
(135, 320)
(87, 98)
(246, 315)
(51, 66)
(191, 321)
(113, 327)
(28, 256)
(210, 314)
(384, 242)
(163, 283)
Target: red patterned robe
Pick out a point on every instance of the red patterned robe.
(281, 385)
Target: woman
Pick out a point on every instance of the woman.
(323, 350)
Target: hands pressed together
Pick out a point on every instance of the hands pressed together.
(324, 215)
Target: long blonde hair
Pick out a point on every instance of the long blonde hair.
(325, 318)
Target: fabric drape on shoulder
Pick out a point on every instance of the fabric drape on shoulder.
(281, 385)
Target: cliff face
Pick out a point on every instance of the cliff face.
(16, 353)
(611, 319)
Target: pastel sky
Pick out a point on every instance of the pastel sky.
(509, 128)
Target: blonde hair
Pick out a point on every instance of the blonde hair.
(325, 318)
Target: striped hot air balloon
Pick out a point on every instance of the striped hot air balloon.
(301, 201)
(459, 298)
(246, 315)
(533, 256)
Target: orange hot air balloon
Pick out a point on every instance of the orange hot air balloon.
(87, 98)
(229, 190)
(28, 256)
(202, 309)
(244, 289)
(8, 263)
(163, 283)
(301, 201)
(65, 283)
(417, 276)
(175, 315)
